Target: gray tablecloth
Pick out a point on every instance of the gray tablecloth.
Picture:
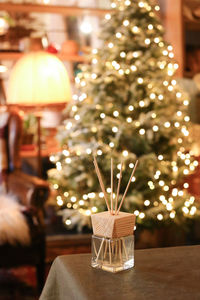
(167, 273)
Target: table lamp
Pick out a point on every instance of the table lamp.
(39, 80)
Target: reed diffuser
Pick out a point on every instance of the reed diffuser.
(113, 239)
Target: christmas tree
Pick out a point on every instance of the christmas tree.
(128, 107)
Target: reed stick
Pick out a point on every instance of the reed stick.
(101, 182)
(100, 249)
(105, 250)
(111, 180)
(110, 256)
(127, 187)
(118, 189)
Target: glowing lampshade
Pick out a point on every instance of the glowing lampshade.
(38, 78)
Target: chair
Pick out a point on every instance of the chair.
(31, 191)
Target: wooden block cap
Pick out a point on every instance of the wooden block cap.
(113, 226)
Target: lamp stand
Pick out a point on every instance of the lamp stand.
(39, 155)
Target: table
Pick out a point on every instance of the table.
(159, 274)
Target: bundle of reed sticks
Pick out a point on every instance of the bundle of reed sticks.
(110, 207)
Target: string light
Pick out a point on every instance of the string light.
(122, 54)
(115, 129)
(126, 22)
(147, 41)
(99, 152)
(135, 29)
(160, 217)
(150, 27)
(131, 107)
(146, 202)
(115, 113)
(118, 35)
(129, 120)
(107, 16)
(142, 131)
(125, 153)
(133, 68)
(110, 45)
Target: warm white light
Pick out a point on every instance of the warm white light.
(88, 151)
(122, 54)
(77, 117)
(140, 80)
(115, 113)
(73, 199)
(157, 40)
(129, 120)
(115, 129)
(107, 16)
(141, 4)
(94, 61)
(68, 222)
(150, 26)
(141, 215)
(161, 183)
(146, 202)
(178, 95)
(153, 115)
(102, 115)
(94, 209)
(170, 48)
(125, 153)
(136, 212)
(131, 165)
(126, 22)
(118, 35)
(160, 157)
(141, 103)
(142, 131)
(113, 5)
(155, 128)
(186, 102)
(160, 217)
(133, 68)
(86, 27)
(3, 69)
(131, 107)
(187, 118)
(147, 41)
(179, 113)
(172, 214)
(167, 124)
(177, 124)
(111, 144)
(152, 96)
(135, 29)
(74, 108)
(110, 45)
(185, 210)
(99, 152)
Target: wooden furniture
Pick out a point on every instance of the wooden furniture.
(180, 23)
(68, 243)
(168, 273)
(32, 193)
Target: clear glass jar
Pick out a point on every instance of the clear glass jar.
(113, 254)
